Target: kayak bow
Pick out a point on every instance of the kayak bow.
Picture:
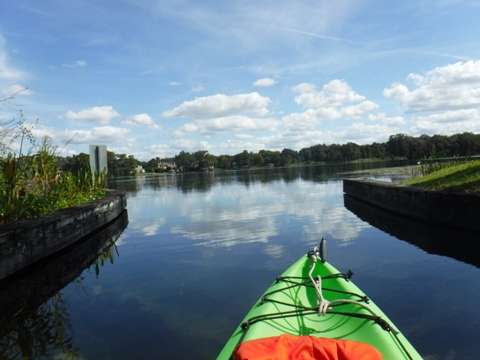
(312, 298)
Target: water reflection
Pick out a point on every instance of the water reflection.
(194, 262)
(203, 182)
(457, 243)
(34, 319)
(245, 207)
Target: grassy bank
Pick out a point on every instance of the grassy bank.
(457, 178)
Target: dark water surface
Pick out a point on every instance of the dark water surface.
(199, 250)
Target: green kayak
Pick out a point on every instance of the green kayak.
(313, 299)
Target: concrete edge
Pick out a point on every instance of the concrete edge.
(437, 207)
(26, 241)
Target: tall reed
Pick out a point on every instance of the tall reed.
(32, 185)
(436, 162)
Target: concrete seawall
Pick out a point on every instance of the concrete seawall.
(22, 295)
(26, 241)
(437, 207)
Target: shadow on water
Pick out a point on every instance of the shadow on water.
(34, 319)
(457, 243)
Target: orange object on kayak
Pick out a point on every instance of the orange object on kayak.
(305, 348)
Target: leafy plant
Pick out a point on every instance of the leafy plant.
(463, 177)
(32, 185)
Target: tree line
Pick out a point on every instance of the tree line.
(397, 146)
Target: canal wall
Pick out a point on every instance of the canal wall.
(23, 293)
(25, 242)
(457, 243)
(437, 207)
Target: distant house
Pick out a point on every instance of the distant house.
(166, 166)
(139, 169)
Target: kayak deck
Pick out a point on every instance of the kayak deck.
(290, 306)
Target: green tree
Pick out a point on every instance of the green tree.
(112, 164)
(466, 144)
(204, 160)
(152, 165)
(397, 145)
(335, 153)
(130, 165)
(271, 157)
(320, 153)
(76, 163)
(305, 155)
(289, 156)
(257, 159)
(242, 159)
(224, 162)
(185, 161)
(375, 151)
(351, 151)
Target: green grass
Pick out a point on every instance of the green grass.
(460, 178)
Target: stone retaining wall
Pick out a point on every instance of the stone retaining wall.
(460, 210)
(26, 241)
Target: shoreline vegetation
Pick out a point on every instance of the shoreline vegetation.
(33, 181)
(33, 185)
(399, 146)
(42, 181)
(436, 175)
(457, 178)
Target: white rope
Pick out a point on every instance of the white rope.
(324, 305)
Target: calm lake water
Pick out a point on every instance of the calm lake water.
(200, 249)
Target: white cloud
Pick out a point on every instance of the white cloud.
(76, 64)
(332, 102)
(333, 94)
(264, 82)
(452, 116)
(174, 83)
(355, 111)
(450, 87)
(197, 88)
(183, 144)
(160, 150)
(220, 105)
(449, 122)
(236, 144)
(243, 136)
(383, 119)
(230, 123)
(16, 89)
(7, 72)
(141, 120)
(100, 114)
(100, 134)
(302, 121)
(96, 135)
(364, 134)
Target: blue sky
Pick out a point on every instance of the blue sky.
(154, 77)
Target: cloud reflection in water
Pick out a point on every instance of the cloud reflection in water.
(232, 214)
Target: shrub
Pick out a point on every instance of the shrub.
(33, 185)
